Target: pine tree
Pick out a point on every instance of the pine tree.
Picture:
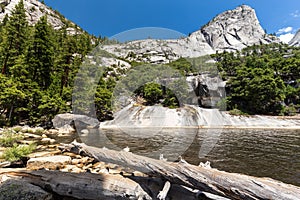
(2, 25)
(63, 60)
(15, 34)
(11, 98)
(40, 55)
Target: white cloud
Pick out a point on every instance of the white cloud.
(285, 34)
(285, 30)
(285, 38)
(295, 14)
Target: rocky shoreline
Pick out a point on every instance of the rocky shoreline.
(53, 164)
(47, 154)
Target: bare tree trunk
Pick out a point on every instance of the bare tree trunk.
(231, 185)
(80, 186)
(10, 113)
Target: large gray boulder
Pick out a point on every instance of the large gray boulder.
(14, 189)
(80, 121)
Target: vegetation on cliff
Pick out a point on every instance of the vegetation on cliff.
(262, 79)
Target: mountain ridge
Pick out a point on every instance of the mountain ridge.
(229, 31)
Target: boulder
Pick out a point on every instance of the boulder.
(26, 129)
(61, 120)
(51, 162)
(14, 189)
(27, 142)
(30, 135)
(43, 154)
(53, 131)
(48, 140)
(65, 130)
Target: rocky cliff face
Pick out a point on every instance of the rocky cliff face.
(296, 40)
(234, 30)
(34, 10)
(231, 30)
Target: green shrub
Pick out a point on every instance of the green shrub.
(39, 131)
(290, 110)
(17, 128)
(9, 138)
(17, 152)
(221, 105)
(237, 112)
(30, 131)
(171, 103)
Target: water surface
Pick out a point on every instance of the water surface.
(261, 153)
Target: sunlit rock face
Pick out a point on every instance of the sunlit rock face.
(34, 11)
(230, 31)
(296, 40)
(235, 29)
(134, 116)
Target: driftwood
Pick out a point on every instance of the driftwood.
(94, 186)
(230, 185)
(163, 194)
(79, 186)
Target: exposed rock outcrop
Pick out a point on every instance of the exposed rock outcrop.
(235, 29)
(231, 30)
(34, 11)
(296, 40)
(192, 116)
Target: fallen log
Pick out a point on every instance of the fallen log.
(82, 186)
(79, 186)
(230, 185)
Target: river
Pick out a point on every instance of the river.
(261, 153)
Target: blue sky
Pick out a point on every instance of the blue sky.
(110, 17)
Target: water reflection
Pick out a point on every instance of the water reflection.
(263, 153)
(169, 142)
